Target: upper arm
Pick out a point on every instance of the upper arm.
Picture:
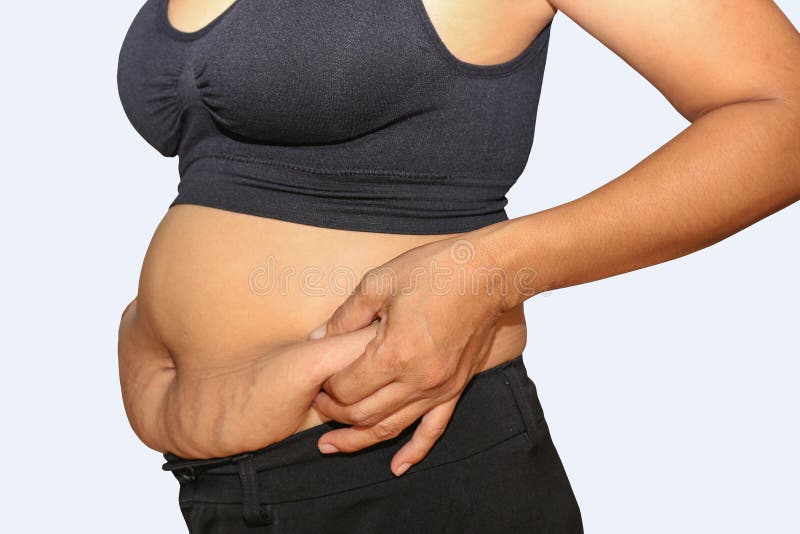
(700, 54)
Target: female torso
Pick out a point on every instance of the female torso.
(215, 345)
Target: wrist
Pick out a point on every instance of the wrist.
(520, 280)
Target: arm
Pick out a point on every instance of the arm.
(732, 69)
(738, 162)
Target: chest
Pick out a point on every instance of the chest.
(281, 71)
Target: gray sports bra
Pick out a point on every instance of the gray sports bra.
(343, 114)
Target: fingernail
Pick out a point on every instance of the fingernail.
(327, 448)
(402, 469)
(319, 332)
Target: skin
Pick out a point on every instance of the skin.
(738, 162)
(203, 349)
(214, 360)
(203, 357)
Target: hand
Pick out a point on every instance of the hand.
(437, 306)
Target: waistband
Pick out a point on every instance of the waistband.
(497, 404)
(386, 201)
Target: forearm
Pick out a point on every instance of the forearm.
(730, 168)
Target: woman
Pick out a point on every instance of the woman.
(328, 330)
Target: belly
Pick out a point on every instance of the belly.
(219, 289)
(217, 283)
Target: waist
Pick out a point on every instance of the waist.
(216, 282)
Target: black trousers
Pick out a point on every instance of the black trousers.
(494, 469)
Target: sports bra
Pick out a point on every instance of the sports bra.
(341, 114)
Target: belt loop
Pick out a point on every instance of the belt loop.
(521, 392)
(253, 512)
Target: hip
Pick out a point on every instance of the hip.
(495, 469)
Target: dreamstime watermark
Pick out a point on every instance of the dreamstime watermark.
(457, 274)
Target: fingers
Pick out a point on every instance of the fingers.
(360, 379)
(353, 438)
(327, 356)
(427, 433)
(359, 310)
(369, 411)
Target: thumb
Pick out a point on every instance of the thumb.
(358, 311)
(331, 355)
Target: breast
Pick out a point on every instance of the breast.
(294, 77)
(342, 114)
(272, 73)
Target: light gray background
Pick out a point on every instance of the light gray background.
(670, 392)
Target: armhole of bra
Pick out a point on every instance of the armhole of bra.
(473, 69)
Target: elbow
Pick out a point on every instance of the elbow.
(784, 129)
(791, 100)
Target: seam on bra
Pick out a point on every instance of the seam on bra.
(318, 170)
